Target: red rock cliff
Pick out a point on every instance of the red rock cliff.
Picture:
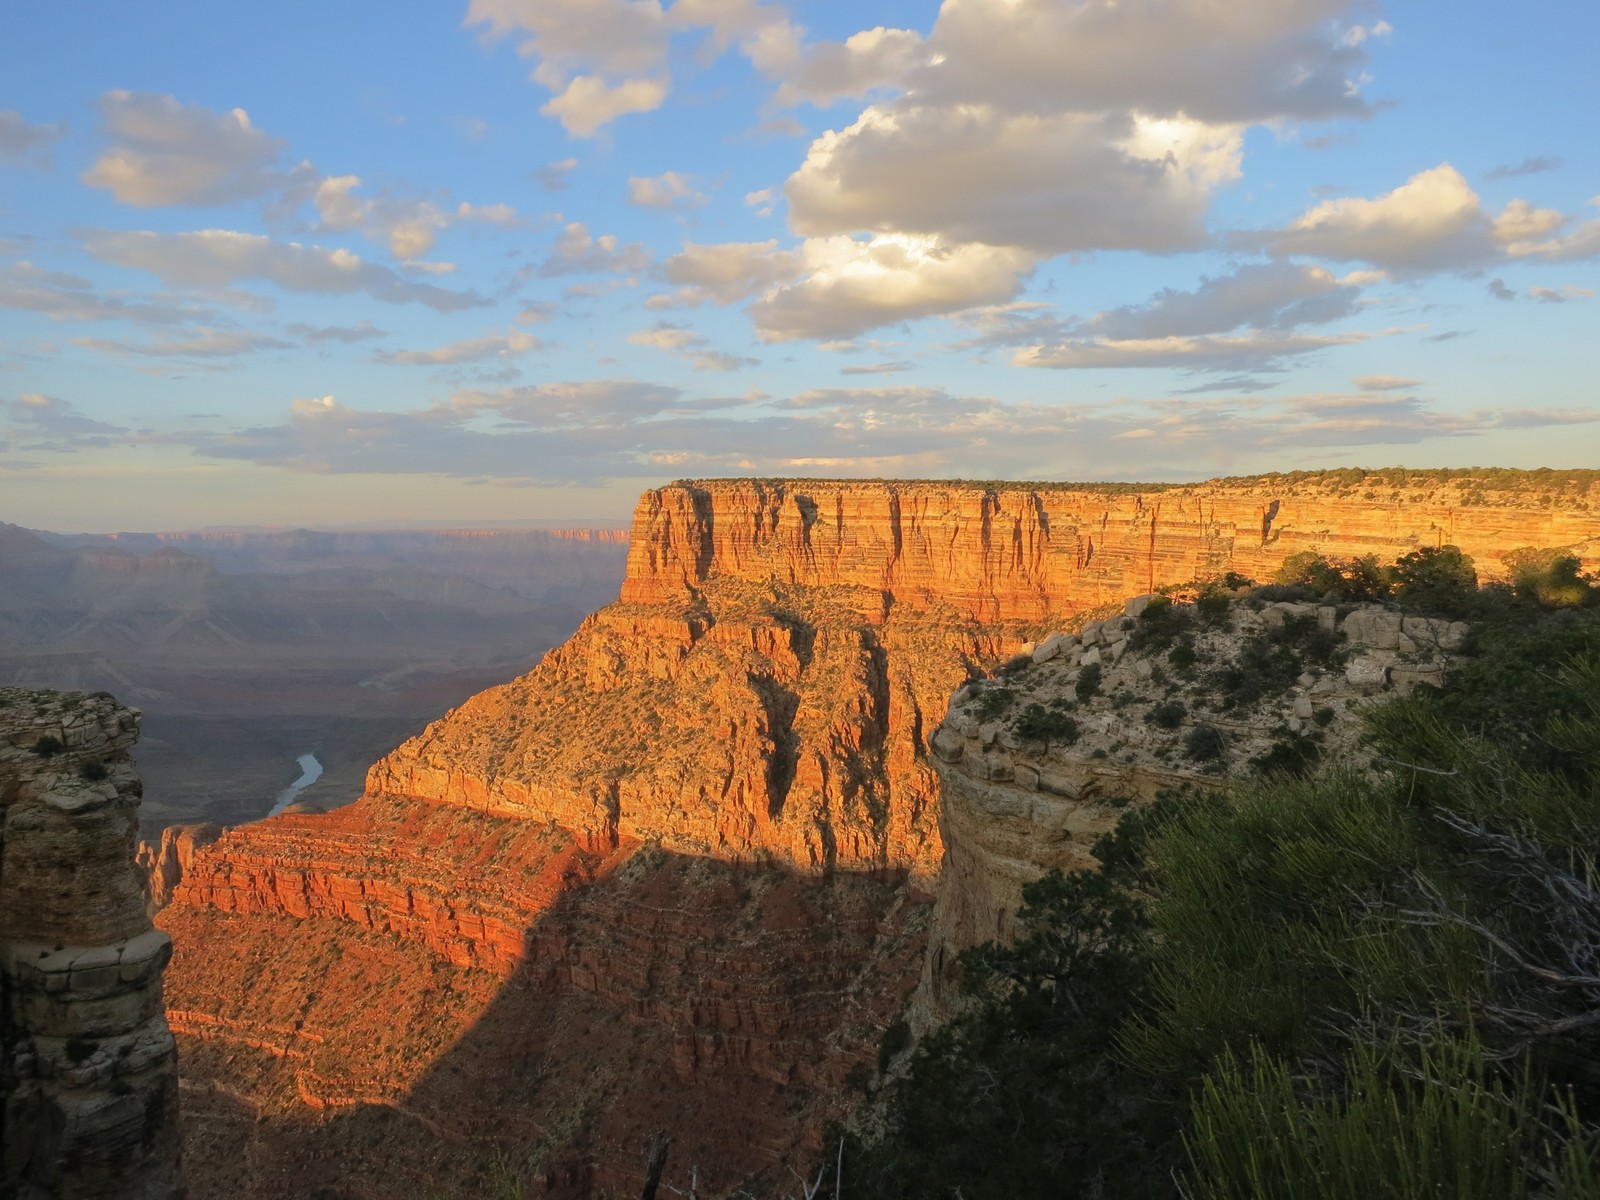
(675, 849)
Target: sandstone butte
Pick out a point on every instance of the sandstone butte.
(678, 876)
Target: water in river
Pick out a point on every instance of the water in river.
(310, 772)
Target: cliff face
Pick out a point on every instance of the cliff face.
(1021, 799)
(88, 1071)
(662, 880)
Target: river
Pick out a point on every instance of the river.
(310, 772)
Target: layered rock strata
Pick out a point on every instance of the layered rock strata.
(582, 859)
(88, 1069)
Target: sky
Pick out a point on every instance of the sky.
(488, 260)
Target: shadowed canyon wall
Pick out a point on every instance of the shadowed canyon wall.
(689, 856)
(88, 1071)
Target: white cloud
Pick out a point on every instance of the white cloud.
(63, 426)
(409, 227)
(592, 430)
(589, 102)
(315, 335)
(1583, 242)
(1432, 222)
(1386, 383)
(1204, 60)
(618, 38)
(501, 345)
(552, 177)
(725, 272)
(1051, 184)
(1262, 296)
(577, 252)
(670, 189)
(216, 257)
(1250, 351)
(164, 153)
(66, 297)
(203, 343)
(851, 286)
(666, 336)
(18, 138)
(1561, 295)
(687, 344)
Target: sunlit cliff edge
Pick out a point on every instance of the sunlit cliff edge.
(696, 844)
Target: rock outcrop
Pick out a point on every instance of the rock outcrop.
(703, 830)
(88, 1070)
(1032, 771)
(164, 861)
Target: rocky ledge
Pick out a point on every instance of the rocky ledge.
(88, 1067)
(1038, 762)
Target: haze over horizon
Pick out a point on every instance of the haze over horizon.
(512, 260)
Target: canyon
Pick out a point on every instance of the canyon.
(245, 650)
(682, 875)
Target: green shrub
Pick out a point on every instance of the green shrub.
(1436, 579)
(1550, 578)
(1213, 607)
(1159, 623)
(48, 746)
(93, 770)
(1088, 682)
(1038, 723)
(1293, 755)
(1204, 743)
(1169, 714)
(993, 701)
(1182, 656)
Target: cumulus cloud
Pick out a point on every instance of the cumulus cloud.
(577, 252)
(408, 226)
(725, 272)
(670, 189)
(1243, 61)
(1432, 222)
(1583, 242)
(1047, 183)
(217, 257)
(164, 152)
(19, 138)
(502, 345)
(811, 72)
(588, 102)
(601, 59)
(852, 286)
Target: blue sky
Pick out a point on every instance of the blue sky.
(502, 259)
